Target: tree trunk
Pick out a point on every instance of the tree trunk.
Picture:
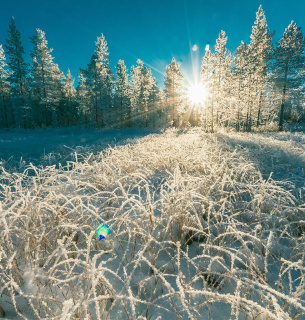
(5, 111)
(259, 109)
(281, 122)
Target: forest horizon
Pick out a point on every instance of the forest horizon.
(258, 85)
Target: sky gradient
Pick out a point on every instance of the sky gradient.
(153, 31)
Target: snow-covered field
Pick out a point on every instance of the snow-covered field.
(204, 226)
(41, 147)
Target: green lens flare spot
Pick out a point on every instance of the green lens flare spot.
(103, 231)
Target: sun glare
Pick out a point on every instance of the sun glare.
(197, 93)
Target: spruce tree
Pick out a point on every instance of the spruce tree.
(18, 77)
(288, 65)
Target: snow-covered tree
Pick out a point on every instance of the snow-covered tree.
(122, 96)
(99, 79)
(18, 76)
(222, 66)
(153, 104)
(260, 50)
(83, 100)
(5, 110)
(160, 109)
(238, 87)
(149, 100)
(68, 89)
(209, 80)
(142, 85)
(46, 81)
(68, 114)
(288, 65)
(174, 91)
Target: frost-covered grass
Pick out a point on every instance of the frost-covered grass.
(204, 226)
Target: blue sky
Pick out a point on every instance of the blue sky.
(151, 30)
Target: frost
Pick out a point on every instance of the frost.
(199, 226)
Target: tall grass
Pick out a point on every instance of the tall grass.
(200, 230)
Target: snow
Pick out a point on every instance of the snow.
(19, 147)
(203, 225)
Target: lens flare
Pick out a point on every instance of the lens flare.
(103, 231)
(194, 47)
(197, 93)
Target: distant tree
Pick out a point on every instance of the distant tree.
(5, 110)
(83, 101)
(68, 114)
(222, 66)
(149, 98)
(161, 109)
(174, 91)
(46, 81)
(142, 85)
(153, 104)
(122, 96)
(68, 89)
(288, 65)
(209, 80)
(238, 88)
(18, 76)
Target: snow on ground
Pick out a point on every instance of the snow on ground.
(204, 226)
(49, 146)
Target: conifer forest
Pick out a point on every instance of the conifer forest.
(259, 84)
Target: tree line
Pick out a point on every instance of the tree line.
(260, 84)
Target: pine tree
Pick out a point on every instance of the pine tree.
(99, 79)
(289, 64)
(122, 98)
(18, 77)
(174, 90)
(46, 81)
(259, 55)
(5, 110)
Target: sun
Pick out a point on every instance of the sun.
(197, 93)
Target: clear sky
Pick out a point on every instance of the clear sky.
(151, 30)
